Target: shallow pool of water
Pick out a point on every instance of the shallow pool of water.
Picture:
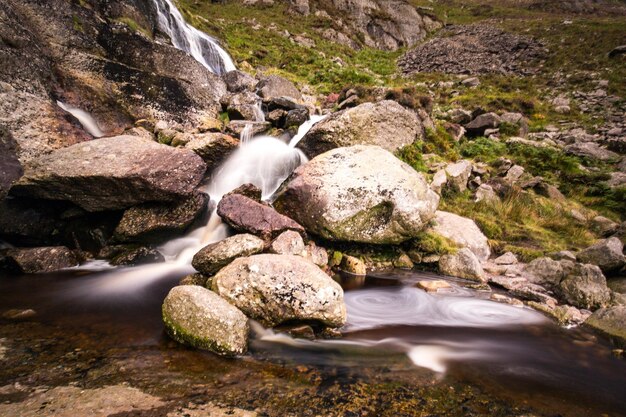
(404, 352)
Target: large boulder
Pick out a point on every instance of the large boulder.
(37, 260)
(112, 173)
(606, 253)
(281, 288)
(462, 231)
(359, 194)
(10, 167)
(215, 256)
(248, 216)
(386, 124)
(462, 264)
(610, 321)
(274, 86)
(200, 318)
(155, 222)
(585, 287)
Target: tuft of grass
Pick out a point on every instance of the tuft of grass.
(523, 220)
(412, 155)
(134, 26)
(431, 243)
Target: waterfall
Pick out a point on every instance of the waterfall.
(84, 118)
(185, 37)
(264, 161)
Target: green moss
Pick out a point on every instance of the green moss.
(77, 24)
(134, 26)
(412, 155)
(440, 142)
(432, 243)
(509, 129)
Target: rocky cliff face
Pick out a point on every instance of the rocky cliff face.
(105, 57)
(383, 24)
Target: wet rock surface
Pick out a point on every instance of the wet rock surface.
(359, 194)
(10, 167)
(246, 215)
(154, 223)
(37, 260)
(113, 173)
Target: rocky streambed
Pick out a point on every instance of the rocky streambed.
(93, 355)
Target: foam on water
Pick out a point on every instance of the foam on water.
(372, 308)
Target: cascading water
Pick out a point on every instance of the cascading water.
(264, 161)
(84, 118)
(196, 43)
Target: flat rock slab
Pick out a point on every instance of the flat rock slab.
(38, 260)
(75, 401)
(112, 173)
(155, 222)
(246, 215)
(214, 257)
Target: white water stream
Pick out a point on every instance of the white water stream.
(85, 119)
(196, 43)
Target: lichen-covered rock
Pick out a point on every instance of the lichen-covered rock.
(275, 86)
(386, 124)
(585, 287)
(213, 148)
(608, 254)
(37, 260)
(458, 174)
(238, 81)
(281, 288)
(610, 321)
(215, 256)
(155, 222)
(545, 271)
(136, 256)
(288, 243)
(200, 318)
(462, 264)
(112, 173)
(359, 194)
(246, 215)
(462, 231)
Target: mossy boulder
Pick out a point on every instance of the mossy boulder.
(462, 231)
(198, 317)
(610, 321)
(359, 194)
(462, 264)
